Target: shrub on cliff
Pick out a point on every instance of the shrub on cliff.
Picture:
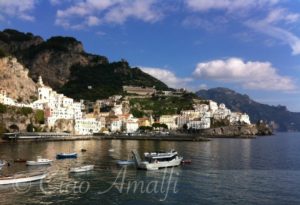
(3, 108)
(39, 116)
(2, 53)
(25, 111)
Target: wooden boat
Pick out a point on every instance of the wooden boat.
(66, 155)
(125, 162)
(82, 168)
(20, 160)
(22, 178)
(39, 161)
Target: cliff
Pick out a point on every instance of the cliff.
(66, 67)
(15, 81)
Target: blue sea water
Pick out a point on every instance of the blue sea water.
(265, 170)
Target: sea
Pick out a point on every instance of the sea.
(265, 170)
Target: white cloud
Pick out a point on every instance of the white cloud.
(89, 12)
(250, 74)
(229, 5)
(270, 27)
(17, 9)
(167, 77)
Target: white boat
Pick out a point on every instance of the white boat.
(111, 150)
(2, 163)
(125, 162)
(22, 178)
(157, 160)
(82, 169)
(39, 161)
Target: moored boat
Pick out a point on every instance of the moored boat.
(39, 161)
(125, 162)
(82, 168)
(20, 160)
(157, 160)
(66, 155)
(22, 178)
(2, 163)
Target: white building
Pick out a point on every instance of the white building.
(204, 123)
(4, 99)
(87, 126)
(213, 106)
(131, 126)
(237, 117)
(222, 112)
(115, 125)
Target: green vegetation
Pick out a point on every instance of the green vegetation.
(145, 128)
(3, 108)
(2, 53)
(158, 125)
(39, 116)
(25, 111)
(103, 80)
(161, 105)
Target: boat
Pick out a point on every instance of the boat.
(66, 155)
(39, 161)
(186, 161)
(157, 160)
(82, 168)
(111, 150)
(83, 150)
(125, 162)
(20, 160)
(2, 163)
(22, 178)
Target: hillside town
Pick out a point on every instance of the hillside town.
(94, 117)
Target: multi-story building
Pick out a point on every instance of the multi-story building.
(87, 126)
(169, 120)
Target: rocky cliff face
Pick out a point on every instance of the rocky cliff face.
(52, 59)
(14, 79)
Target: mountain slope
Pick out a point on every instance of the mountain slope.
(284, 119)
(65, 66)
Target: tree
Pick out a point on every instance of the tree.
(30, 128)
(39, 116)
(159, 125)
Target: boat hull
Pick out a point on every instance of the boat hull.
(65, 156)
(82, 169)
(12, 180)
(34, 163)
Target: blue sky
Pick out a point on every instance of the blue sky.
(251, 46)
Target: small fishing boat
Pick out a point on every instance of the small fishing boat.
(39, 161)
(22, 178)
(125, 162)
(20, 160)
(66, 155)
(83, 150)
(2, 163)
(82, 168)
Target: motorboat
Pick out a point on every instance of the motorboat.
(66, 155)
(125, 162)
(157, 160)
(22, 178)
(39, 161)
(82, 168)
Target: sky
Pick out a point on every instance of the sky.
(250, 46)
